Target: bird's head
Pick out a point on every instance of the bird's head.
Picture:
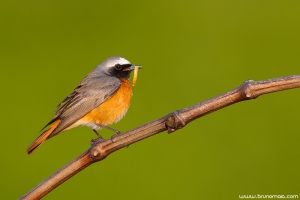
(118, 67)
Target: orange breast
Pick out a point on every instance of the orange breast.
(113, 109)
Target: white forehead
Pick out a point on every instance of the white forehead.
(123, 61)
(112, 61)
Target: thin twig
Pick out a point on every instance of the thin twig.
(171, 122)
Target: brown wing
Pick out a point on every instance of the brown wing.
(89, 94)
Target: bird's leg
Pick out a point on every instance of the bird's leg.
(111, 129)
(116, 131)
(100, 138)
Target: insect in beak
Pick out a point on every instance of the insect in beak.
(135, 74)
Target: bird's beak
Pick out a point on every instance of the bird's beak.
(132, 67)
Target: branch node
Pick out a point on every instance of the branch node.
(95, 154)
(174, 122)
(247, 91)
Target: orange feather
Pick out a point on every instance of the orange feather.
(42, 137)
(110, 111)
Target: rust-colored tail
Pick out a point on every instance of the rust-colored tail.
(44, 136)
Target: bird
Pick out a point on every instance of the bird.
(99, 100)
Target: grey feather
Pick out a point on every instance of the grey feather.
(89, 94)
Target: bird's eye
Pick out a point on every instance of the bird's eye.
(118, 66)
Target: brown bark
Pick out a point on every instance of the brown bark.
(171, 122)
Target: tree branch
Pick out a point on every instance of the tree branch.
(171, 122)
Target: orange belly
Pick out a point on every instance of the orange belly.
(110, 111)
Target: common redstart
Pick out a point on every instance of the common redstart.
(101, 99)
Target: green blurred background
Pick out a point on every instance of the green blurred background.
(190, 51)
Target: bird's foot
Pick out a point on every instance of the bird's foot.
(98, 139)
(112, 137)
